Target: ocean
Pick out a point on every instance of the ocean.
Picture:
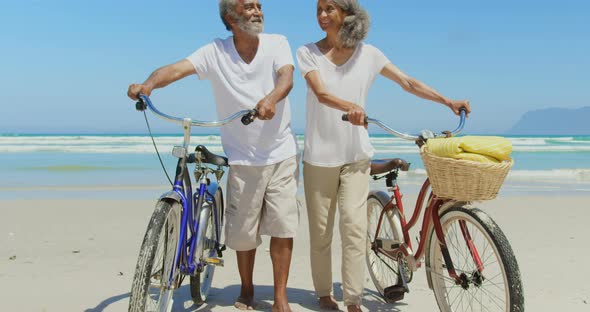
(126, 166)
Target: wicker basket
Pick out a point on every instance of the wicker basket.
(464, 180)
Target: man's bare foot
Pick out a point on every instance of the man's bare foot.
(245, 304)
(328, 303)
(281, 308)
(354, 308)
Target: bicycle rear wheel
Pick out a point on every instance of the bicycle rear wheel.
(497, 287)
(383, 270)
(201, 283)
(153, 286)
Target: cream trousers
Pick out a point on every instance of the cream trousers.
(344, 188)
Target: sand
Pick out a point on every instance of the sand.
(79, 255)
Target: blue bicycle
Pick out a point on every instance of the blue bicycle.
(183, 235)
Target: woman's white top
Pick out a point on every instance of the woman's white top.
(329, 141)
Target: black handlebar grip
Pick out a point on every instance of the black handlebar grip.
(249, 118)
(345, 118)
(140, 105)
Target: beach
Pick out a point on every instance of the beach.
(74, 210)
(80, 255)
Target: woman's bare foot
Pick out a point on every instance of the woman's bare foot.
(245, 303)
(328, 303)
(354, 308)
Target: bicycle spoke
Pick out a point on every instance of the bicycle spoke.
(447, 278)
(384, 270)
(493, 296)
(455, 246)
(485, 290)
(472, 295)
(456, 297)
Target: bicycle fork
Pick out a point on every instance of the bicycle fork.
(459, 279)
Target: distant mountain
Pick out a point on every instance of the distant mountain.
(554, 121)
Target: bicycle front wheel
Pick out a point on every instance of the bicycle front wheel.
(496, 287)
(383, 270)
(155, 275)
(201, 283)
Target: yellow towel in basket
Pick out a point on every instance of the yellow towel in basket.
(485, 149)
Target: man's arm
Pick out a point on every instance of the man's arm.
(356, 114)
(420, 89)
(162, 77)
(267, 106)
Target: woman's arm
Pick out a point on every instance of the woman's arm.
(420, 89)
(356, 114)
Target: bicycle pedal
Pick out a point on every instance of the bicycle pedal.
(214, 261)
(394, 293)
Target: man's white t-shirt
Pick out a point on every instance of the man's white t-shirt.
(329, 141)
(238, 86)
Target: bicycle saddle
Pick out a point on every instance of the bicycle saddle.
(379, 166)
(210, 158)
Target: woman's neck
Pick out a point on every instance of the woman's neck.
(332, 41)
(333, 44)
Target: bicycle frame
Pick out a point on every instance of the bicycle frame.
(181, 192)
(182, 188)
(431, 218)
(431, 214)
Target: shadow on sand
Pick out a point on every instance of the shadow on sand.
(223, 298)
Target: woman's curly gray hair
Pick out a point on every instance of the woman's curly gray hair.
(356, 24)
(227, 7)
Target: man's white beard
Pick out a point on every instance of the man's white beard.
(250, 28)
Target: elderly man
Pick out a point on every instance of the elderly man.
(246, 70)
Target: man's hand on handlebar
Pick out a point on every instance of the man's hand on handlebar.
(135, 89)
(266, 109)
(456, 106)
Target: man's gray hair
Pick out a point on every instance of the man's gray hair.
(356, 24)
(227, 7)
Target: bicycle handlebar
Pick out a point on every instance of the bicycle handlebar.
(410, 137)
(145, 103)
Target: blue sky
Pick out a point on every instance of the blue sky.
(66, 65)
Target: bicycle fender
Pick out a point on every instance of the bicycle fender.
(383, 197)
(173, 196)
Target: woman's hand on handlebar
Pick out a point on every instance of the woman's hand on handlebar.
(357, 116)
(456, 106)
(135, 89)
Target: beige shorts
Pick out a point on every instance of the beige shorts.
(261, 200)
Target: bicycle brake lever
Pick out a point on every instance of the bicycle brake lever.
(140, 106)
(249, 118)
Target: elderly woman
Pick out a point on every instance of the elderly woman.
(339, 70)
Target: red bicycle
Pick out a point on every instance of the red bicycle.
(469, 263)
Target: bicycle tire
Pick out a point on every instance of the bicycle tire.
(200, 284)
(383, 270)
(497, 288)
(148, 291)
